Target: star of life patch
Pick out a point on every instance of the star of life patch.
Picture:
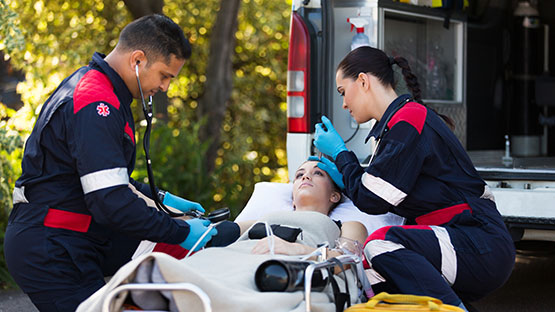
(103, 109)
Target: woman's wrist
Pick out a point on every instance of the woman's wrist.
(332, 253)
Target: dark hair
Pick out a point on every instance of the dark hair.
(157, 36)
(375, 62)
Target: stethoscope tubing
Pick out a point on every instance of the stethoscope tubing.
(146, 145)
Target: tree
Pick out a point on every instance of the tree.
(10, 39)
(219, 80)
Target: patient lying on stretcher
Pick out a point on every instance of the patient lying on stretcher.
(313, 190)
(226, 274)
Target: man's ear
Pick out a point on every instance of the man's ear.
(137, 57)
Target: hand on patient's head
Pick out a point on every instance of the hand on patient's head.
(329, 167)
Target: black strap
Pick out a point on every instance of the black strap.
(341, 298)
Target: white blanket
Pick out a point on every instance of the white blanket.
(226, 274)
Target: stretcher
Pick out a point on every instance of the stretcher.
(114, 298)
(189, 289)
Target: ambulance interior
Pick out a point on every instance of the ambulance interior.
(490, 68)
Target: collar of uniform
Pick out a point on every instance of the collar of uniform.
(120, 88)
(379, 126)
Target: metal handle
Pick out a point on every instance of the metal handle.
(157, 287)
(344, 259)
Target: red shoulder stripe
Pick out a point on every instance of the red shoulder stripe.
(413, 113)
(93, 87)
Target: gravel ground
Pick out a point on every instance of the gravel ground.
(15, 301)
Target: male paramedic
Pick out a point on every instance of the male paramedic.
(75, 218)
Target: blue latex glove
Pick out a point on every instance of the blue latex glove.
(329, 167)
(181, 204)
(327, 140)
(197, 227)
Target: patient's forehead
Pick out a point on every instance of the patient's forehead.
(307, 165)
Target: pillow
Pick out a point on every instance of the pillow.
(269, 197)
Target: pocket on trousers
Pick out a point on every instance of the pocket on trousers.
(74, 257)
(471, 239)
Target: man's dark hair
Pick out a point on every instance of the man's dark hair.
(157, 36)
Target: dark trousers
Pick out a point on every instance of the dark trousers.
(60, 268)
(469, 264)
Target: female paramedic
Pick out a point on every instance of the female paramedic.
(454, 245)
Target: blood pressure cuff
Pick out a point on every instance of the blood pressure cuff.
(228, 232)
(258, 231)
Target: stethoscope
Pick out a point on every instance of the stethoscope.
(147, 110)
(214, 216)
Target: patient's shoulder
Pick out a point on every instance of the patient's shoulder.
(354, 230)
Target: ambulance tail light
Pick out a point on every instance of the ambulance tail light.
(298, 99)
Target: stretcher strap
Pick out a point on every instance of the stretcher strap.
(270, 235)
(341, 298)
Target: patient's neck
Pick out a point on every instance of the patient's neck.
(312, 207)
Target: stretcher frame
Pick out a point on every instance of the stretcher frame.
(157, 287)
(351, 260)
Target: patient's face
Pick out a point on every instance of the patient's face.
(313, 189)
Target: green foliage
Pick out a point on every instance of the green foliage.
(254, 128)
(176, 149)
(11, 143)
(61, 36)
(10, 35)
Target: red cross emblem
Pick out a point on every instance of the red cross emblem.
(103, 109)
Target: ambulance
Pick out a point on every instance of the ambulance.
(486, 66)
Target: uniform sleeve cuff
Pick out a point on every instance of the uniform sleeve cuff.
(344, 158)
(181, 234)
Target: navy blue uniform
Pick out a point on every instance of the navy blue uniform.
(75, 219)
(454, 244)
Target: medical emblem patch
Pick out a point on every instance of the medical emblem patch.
(103, 109)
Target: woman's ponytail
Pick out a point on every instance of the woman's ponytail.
(410, 78)
(414, 86)
(374, 61)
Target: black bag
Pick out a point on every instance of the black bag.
(290, 234)
(288, 276)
